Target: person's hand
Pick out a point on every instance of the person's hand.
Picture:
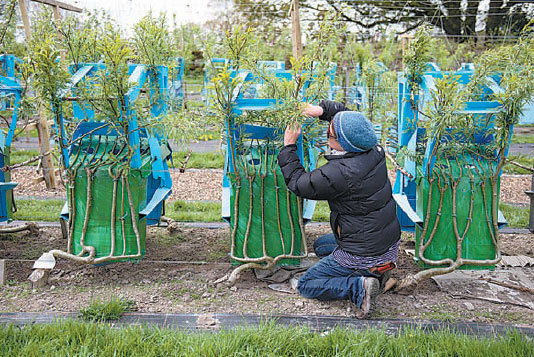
(312, 110)
(291, 134)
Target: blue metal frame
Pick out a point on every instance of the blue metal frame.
(357, 93)
(176, 88)
(10, 97)
(254, 84)
(157, 80)
(218, 64)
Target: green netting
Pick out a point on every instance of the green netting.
(478, 243)
(98, 154)
(268, 221)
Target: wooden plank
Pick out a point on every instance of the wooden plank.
(25, 19)
(57, 19)
(3, 273)
(44, 147)
(295, 30)
(60, 4)
(42, 127)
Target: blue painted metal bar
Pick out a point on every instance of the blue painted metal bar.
(10, 98)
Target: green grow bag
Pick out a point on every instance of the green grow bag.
(478, 243)
(99, 224)
(276, 217)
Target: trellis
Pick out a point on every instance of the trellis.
(449, 195)
(123, 162)
(266, 219)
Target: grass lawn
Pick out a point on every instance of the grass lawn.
(194, 211)
(210, 160)
(199, 211)
(520, 159)
(522, 139)
(517, 217)
(38, 210)
(18, 156)
(184, 211)
(74, 338)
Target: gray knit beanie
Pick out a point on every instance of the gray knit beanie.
(354, 132)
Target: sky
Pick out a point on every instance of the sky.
(129, 12)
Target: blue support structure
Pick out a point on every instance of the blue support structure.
(210, 70)
(254, 84)
(176, 87)
(357, 93)
(275, 65)
(266, 219)
(10, 97)
(255, 132)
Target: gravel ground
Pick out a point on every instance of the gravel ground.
(193, 184)
(205, 185)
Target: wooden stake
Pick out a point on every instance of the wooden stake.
(44, 149)
(347, 83)
(295, 30)
(42, 127)
(57, 19)
(3, 274)
(25, 18)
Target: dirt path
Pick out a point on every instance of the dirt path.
(160, 284)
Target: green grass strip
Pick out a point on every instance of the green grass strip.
(102, 311)
(199, 211)
(18, 156)
(74, 338)
(209, 160)
(517, 217)
(38, 210)
(522, 139)
(193, 211)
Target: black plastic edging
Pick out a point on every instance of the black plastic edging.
(316, 323)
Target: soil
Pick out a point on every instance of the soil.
(179, 268)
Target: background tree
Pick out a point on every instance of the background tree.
(8, 22)
(456, 18)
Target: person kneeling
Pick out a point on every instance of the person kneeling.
(365, 236)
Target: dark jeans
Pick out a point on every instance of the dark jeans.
(327, 280)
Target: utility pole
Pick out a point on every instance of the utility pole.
(295, 30)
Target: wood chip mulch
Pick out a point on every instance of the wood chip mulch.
(205, 185)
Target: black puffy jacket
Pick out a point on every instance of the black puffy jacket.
(363, 213)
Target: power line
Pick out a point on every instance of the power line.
(370, 4)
